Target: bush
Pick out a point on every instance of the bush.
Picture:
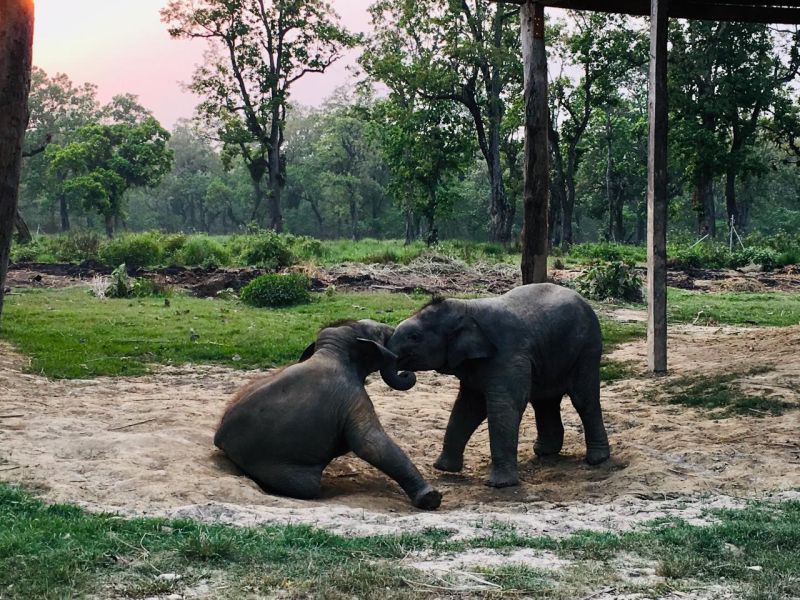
(204, 252)
(76, 247)
(267, 250)
(172, 244)
(701, 256)
(764, 256)
(615, 280)
(277, 290)
(135, 250)
(120, 284)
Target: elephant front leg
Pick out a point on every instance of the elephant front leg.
(367, 439)
(469, 411)
(505, 413)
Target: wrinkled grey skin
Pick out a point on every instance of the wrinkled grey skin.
(534, 344)
(285, 429)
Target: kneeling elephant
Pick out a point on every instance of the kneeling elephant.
(284, 429)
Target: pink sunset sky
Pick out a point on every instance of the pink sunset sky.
(122, 46)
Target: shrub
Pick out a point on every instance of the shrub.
(266, 249)
(306, 247)
(701, 256)
(204, 252)
(76, 247)
(172, 245)
(30, 252)
(277, 290)
(764, 256)
(135, 250)
(615, 280)
(120, 284)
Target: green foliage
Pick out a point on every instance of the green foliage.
(120, 284)
(267, 249)
(135, 250)
(277, 289)
(202, 251)
(610, 281)
(609, 251)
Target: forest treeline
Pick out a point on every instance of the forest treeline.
(426, 144)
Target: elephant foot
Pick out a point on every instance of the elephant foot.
(428, 499)
(500, 478)
(547, 447)
(595, 456)
(449, 465)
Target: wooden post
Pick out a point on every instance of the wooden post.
(536, 169)
(16, 41)
(657, 191)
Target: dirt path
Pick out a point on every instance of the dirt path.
(143, 445)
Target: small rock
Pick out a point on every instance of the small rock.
(169, 577)
(755, 568)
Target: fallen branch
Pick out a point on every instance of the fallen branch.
(131, 425)
(11, 416)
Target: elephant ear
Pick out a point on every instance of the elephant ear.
(469, 342)
(308, 352)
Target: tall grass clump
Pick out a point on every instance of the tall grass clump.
(266, 249)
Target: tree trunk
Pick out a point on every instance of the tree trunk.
(730, 197)
(16, 44)
(275, 173)
(411, 228)
(704, 205)
(62, 205)
(109, 222)
(23, 232)
(568, 210)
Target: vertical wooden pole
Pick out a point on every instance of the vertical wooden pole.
(16, 41)
(536, 171)
(657, 191)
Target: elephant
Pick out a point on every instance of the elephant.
(534, 344)
(282, 430)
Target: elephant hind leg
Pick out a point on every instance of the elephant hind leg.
(549, 428)
(585, 396)
(295, 481)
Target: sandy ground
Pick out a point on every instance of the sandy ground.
(143, 446)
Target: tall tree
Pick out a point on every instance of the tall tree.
(257, 50)
(604, 48)
(104, 161)
(58, 108)
(461, 51)
(16, 48)
(723, 78)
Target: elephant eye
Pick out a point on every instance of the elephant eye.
(415, 337)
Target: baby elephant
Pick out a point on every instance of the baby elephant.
(284, 429)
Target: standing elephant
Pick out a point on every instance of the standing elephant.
(284, 429)
(533, 344)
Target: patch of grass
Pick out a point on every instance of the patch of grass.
(70, 334)
(614, 370)
(60, 550)
(723, 394)
(733, 308)
(616, 333)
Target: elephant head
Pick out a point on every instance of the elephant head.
(441, 336)
(365, 344)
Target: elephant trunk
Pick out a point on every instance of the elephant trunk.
(398, 380)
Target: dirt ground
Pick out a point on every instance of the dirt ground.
(428, 274)
(143, 445)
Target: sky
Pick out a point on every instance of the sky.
(122, 46)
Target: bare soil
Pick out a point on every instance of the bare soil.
(434, 275)
(143, 445)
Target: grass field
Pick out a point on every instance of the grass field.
(61, 551)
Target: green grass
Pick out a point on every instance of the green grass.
(61, 551)
(722, 394)
(70, 334)
(733, 308)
